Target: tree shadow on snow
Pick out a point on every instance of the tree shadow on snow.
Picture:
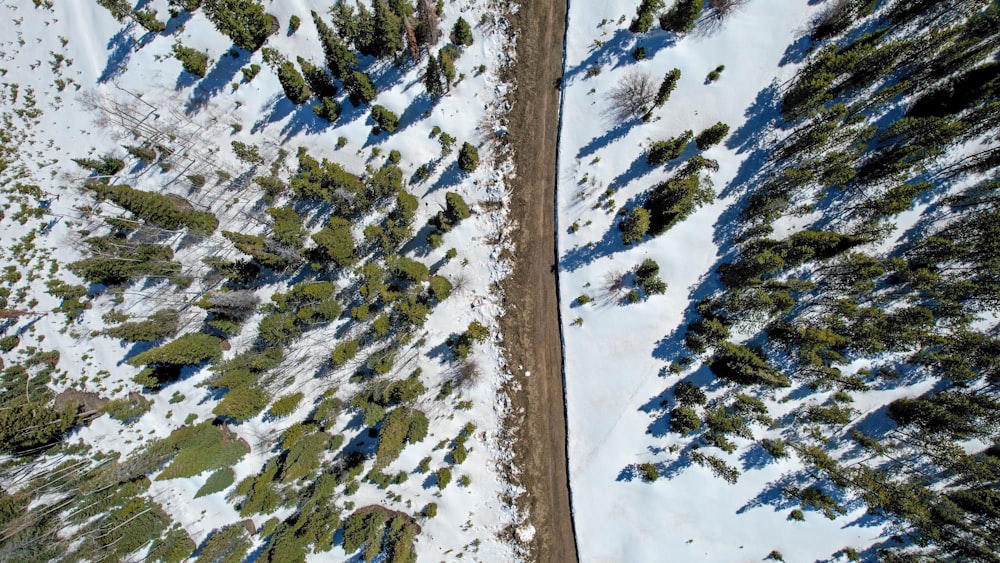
(121, 45)
(217, 79)
(617, 51)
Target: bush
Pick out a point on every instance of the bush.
(292, 83)
(328, 109)
(431, 510)
(9, 342)
(688, 393)
(344, 352)
(644, 15)
(742, 365)
(242, 403)
(682, 16)
(360, 88)
(161, 324)
(192, 60)
(285, 405)
(188, 350)
(440, 288)
(635, 226)
(244, 21)
(684, 420)
(443, 477)
(147, 19)
(250, 72)
(711, 136)
(386, 120)
(662, 151)
(648, 279)
(468, 157)
(715, 74)
(293, 24)
(667, 86)
(218, 481)
(648, 472)
(126, 409)
(461, 33)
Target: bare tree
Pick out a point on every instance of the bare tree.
(836, 16)
(233, 304)
(632, 97)
(724, 8)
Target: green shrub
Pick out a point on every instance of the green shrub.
(9, 342)
(662, 151)
(635, 226)
(218, 481)
(328, 109)
(188, 350)
(648, 472)
(344, 352)
(684, 420)
(293, 83)
(443, 477)
(126, 409)
(431, 510)
(468, 157)
(682, 16)
(644, 15)
(293, 24)
(147, 19)
(285, 405)
(440, 288)
(461, 33)
(250, 72)
(715, 74)
(711, 136)
(244, 21)
(360, 88)
(242, 403)
(385, 119)
(193, 60)
(161, 324)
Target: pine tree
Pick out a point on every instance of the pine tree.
(387, 37)
(292, 83)
(635, 226)
(461, 33)
(339, 57)
(244, 21)
(317, 79)
(360, 88)
(432, 78)
(468, 157)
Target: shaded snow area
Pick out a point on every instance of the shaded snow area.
(79, 84)
(618, 354)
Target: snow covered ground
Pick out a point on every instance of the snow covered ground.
(95, 79)
(617, 355)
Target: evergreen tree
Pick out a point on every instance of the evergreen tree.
(432, 78)
(339, 58)
(667, 86)
(461, 33)
(387, 31)
(711, 136)
(318, 80)
(292, 83)
(635, 226)
(681, 16)
(244, 21)
(468, 157)
(360, 88)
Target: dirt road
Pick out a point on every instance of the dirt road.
(531, 325)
